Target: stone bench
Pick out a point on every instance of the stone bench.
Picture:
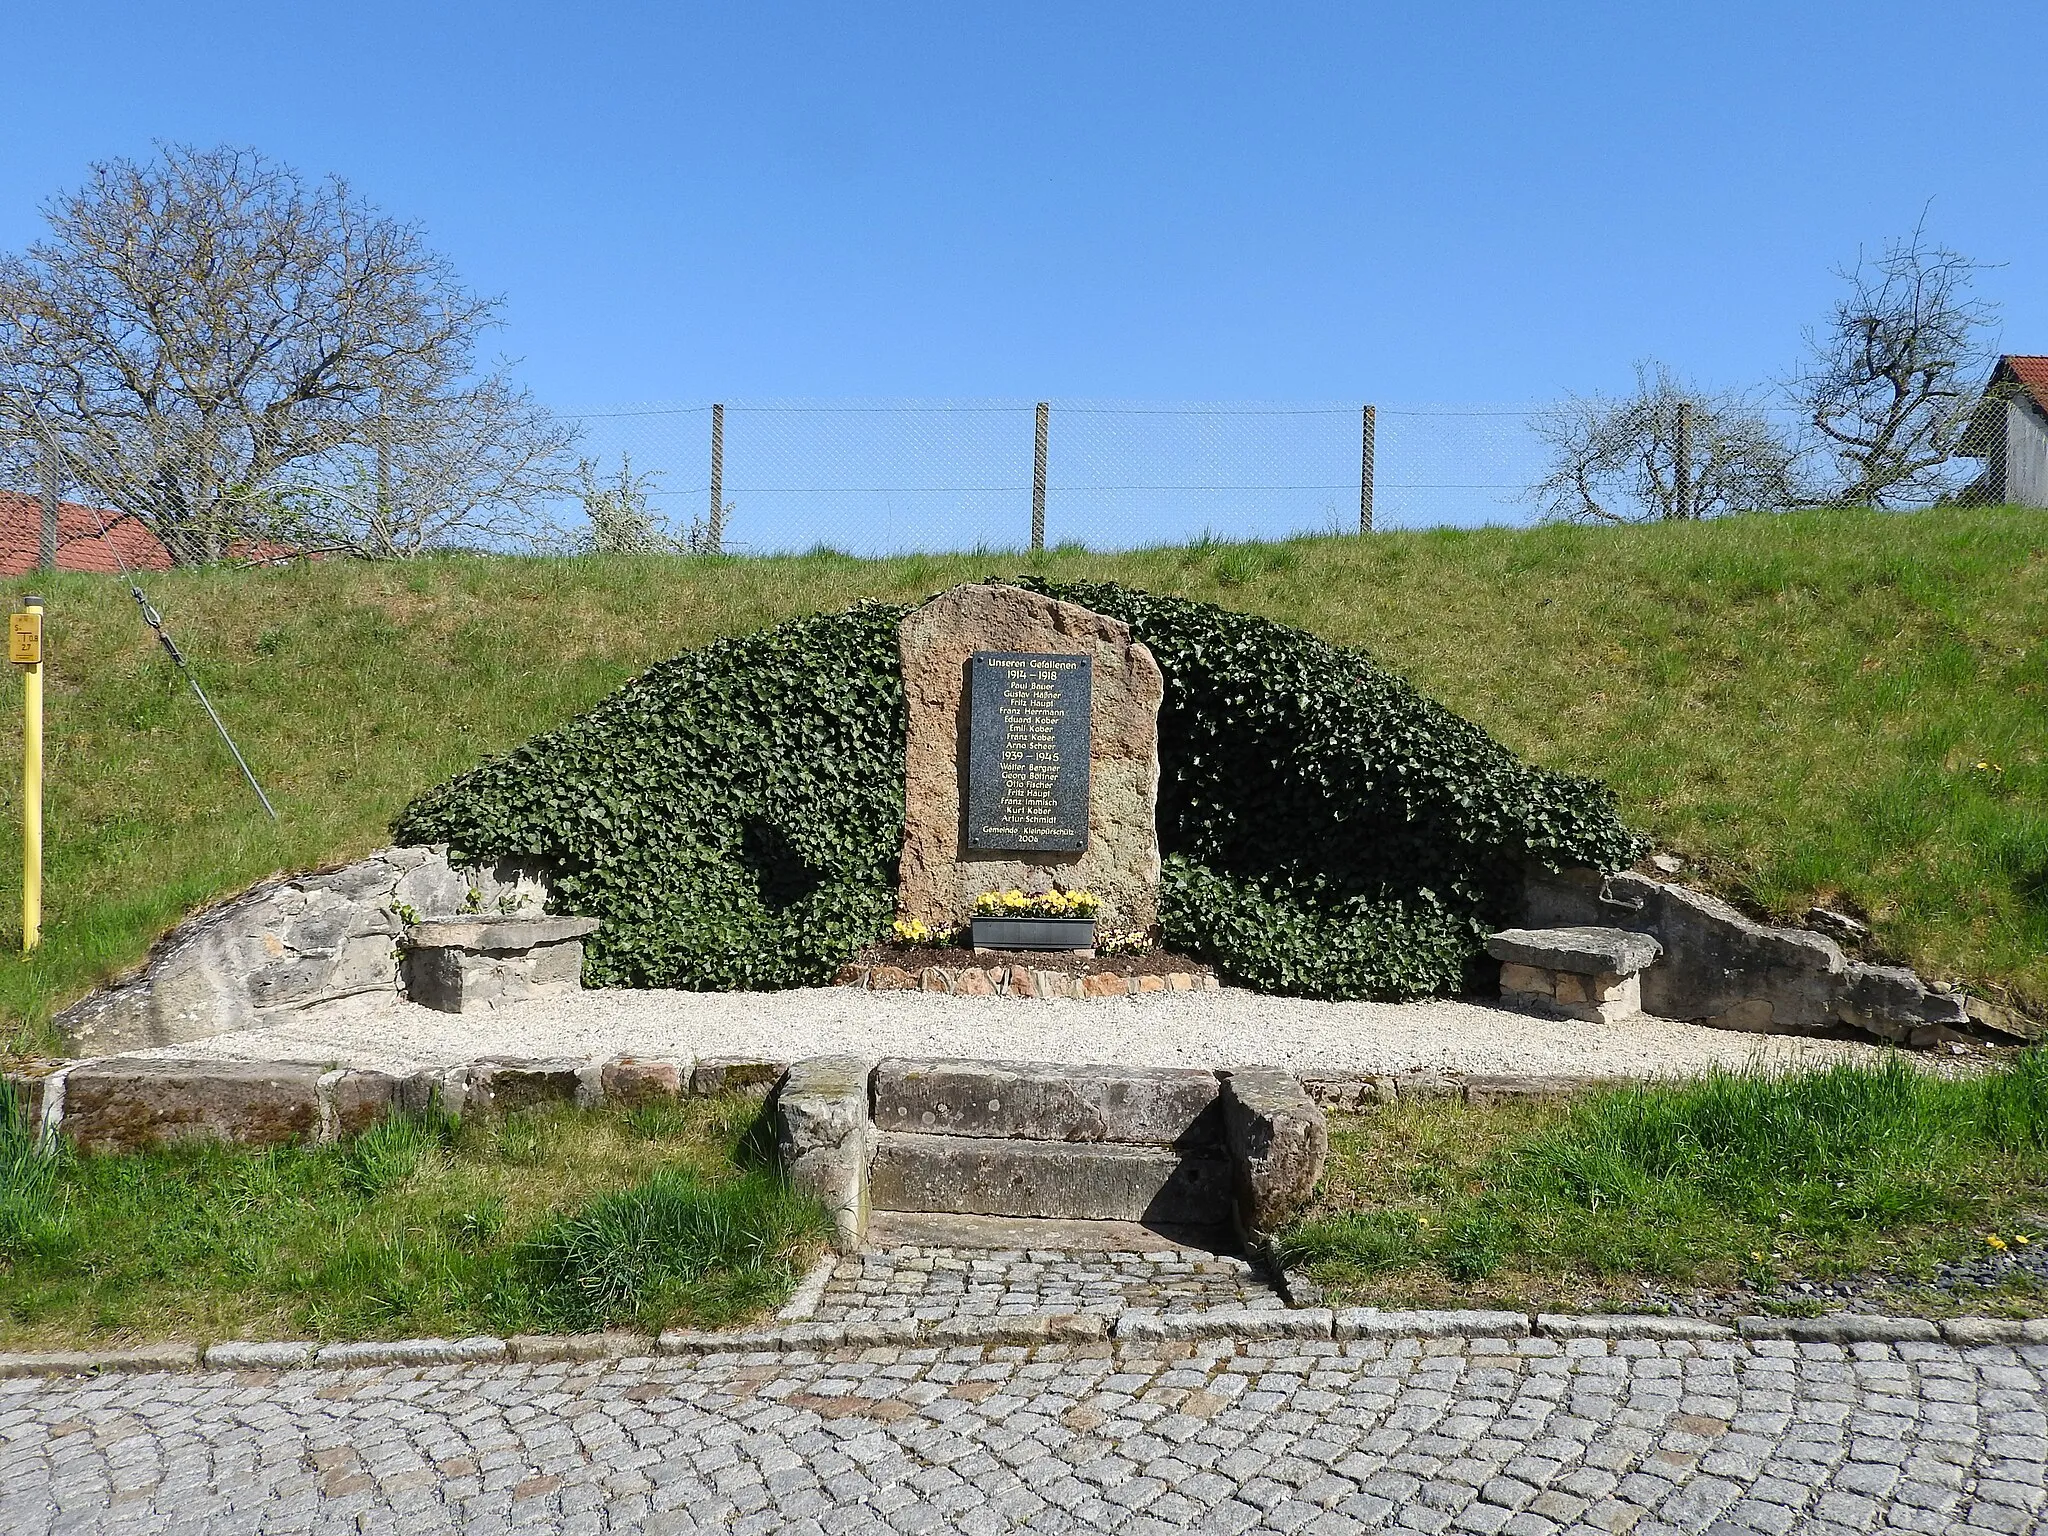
(469, 964)
(1574, 973)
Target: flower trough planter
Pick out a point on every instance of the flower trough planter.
(1035, 933)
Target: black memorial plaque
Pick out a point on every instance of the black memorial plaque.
(1027, 752)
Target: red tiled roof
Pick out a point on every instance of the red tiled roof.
(87, 539)
(2031, 373)
(90, 539)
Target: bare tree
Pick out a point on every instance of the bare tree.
(206, 336)
(1666, 452)
(476, 466)
(1889, 386)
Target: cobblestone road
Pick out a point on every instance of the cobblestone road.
(923, 1282)
(1520, 1437)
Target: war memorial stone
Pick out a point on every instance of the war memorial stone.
(1032, 755)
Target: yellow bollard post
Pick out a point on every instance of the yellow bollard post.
(25, 650)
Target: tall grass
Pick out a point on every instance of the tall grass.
(671, 1240)
(542, 1219)
(1828, 706)
(33, 1219)
(1746, 1173)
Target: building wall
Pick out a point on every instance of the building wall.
(2026, 455)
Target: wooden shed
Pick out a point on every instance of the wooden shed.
(2009, 432)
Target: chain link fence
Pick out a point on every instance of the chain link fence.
(893, 476)
(879, 477)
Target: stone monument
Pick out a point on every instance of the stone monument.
(1033, 756)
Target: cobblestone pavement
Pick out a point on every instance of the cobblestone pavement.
(917, 1282)
(1479, 1436)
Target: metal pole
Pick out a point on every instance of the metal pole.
(53, 485)
(717, 529)
(1038, 476)
(25, 643)
(1365, 451)
(380, 527)
(1681, 473)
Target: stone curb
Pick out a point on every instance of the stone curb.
(1019, 981)
(81, 1362)
(1030, 1329)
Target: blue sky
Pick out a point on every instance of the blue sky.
(1479, 202)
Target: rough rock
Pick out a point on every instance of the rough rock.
(1167, 1106)
(826, 1140)
(938, 876)
(1278, 1141)
(1724, 969)
(286, 944)
(1838, 925)
(122, 1106)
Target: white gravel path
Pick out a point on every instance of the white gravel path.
(1225, 1028)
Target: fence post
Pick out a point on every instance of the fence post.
(46, 544)
(716, 531)
(1681, 474)
(1038, 476)
(1365, 451)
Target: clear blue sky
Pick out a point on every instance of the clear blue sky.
(1420, 202)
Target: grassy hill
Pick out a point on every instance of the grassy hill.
(1835, 706)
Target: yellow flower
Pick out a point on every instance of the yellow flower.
(1995, 1241)
(2021, 1238)
(1755, 1255)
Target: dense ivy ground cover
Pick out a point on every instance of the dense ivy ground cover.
(734, 815)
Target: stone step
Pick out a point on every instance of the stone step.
(1036, 1101)
(1042, 1234)
(991, 1176)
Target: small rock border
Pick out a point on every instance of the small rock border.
(1130, 1327)
(1019, 981)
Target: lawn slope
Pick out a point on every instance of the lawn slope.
(1836, 706)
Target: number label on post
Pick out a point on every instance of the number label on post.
(25, 638)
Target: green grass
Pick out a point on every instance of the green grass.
(549, 1219)
(1739, 1179)
(1830, 706)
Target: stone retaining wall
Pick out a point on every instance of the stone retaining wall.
(125, 1104)
(1018, 981)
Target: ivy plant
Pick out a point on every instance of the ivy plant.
(734, 816)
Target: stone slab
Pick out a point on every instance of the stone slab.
(628, 1081)
(1583, 950)
(123, 1106)
(1166, 1106)
(498, 934)
(1101, 1180)
(1042, 1234)
(504, 1087)
(938, 875)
